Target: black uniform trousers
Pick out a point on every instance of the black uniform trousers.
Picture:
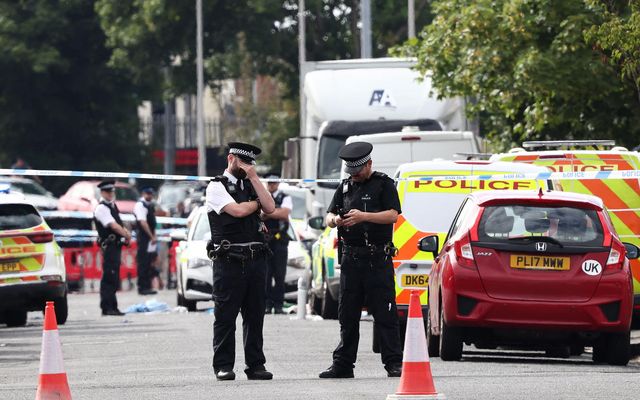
(110, 276)
(238, 287)
(143, 263)
(276, 271)
(367, 281)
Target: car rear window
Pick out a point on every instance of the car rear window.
(18, 216)
(568, 225)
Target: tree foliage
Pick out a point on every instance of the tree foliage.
(62, 106)
(528, 68)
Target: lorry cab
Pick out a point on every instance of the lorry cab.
(621, 196)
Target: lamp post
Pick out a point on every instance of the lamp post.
(202, 155)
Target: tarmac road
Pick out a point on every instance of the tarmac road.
(168, 356)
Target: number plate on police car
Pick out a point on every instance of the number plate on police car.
(9, 267)
(415, 280)
(540, 262)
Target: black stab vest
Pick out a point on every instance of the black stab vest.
(277, 225)
(236, 230)
(365, 196)
(151, 220)
(105, 231)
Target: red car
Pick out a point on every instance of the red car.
(534, 270)
(84, 196)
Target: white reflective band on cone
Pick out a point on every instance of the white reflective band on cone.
(51, 354)
(417, 350)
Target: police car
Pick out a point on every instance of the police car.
(32, 269)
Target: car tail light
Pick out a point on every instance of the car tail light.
(464, 252)
(41, 237)
(616, 257)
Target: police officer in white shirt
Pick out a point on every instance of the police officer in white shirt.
(111, 237)
(234, 201)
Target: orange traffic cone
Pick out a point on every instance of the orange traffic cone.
(52, 383)
(416, 381)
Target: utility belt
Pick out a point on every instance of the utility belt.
(237, 252)
(370, 251)
(112, 239)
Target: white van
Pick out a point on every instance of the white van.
(394, 148)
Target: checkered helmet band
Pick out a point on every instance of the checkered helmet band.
(358, 162)
(244, 153)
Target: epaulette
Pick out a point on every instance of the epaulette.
(220, 178)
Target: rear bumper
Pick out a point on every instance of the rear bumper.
(29, 296)
(466, 304)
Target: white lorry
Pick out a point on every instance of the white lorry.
(356, 97)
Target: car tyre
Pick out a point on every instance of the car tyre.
(433, 341)
(619, 348)
(15, 318)
(576, 349)
(600, 350)
(450, 341)
(62, 309)
(315, 303)
(329, 304)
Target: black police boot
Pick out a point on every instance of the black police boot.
(394, 370)
(258, 374)
(225, 374)
(335, 372)
(115, 312)
(278, 310)
(267, 310)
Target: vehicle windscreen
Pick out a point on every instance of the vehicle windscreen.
(125, 193)
(567, 225)
(202, 229)
(299, 206)
(431, 211)
(328, 162)
(28, 188)
(18, 216)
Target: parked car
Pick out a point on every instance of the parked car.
(194, 269)
(33, 192)
(32, 269)
(171, 194)
(85, 195)
(535, 270)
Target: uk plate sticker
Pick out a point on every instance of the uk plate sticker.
(591, 267)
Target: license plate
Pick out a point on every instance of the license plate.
(415, 280)
(540, 262)
(9, 267)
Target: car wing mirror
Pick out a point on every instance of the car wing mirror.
(317, 222)
(429, 244)
(633, 251)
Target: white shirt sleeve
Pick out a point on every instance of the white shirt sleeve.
(217, 197)
(103, 215)
(140, 211)
(287, 203)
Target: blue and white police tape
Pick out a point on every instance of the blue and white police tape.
(599, 175)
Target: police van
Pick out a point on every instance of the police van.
(621, 197)
(429, 206)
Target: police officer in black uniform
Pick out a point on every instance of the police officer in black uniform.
(234, 202)
(145, 213)
(364, 208)
(277, 224)
(111, 237)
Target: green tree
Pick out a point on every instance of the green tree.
(618, 38)
(62, 107)
(528, 67)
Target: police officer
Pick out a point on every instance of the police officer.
(111, 236)
(364, 208)
(277, 226)
(145, 214)
(234, 201)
